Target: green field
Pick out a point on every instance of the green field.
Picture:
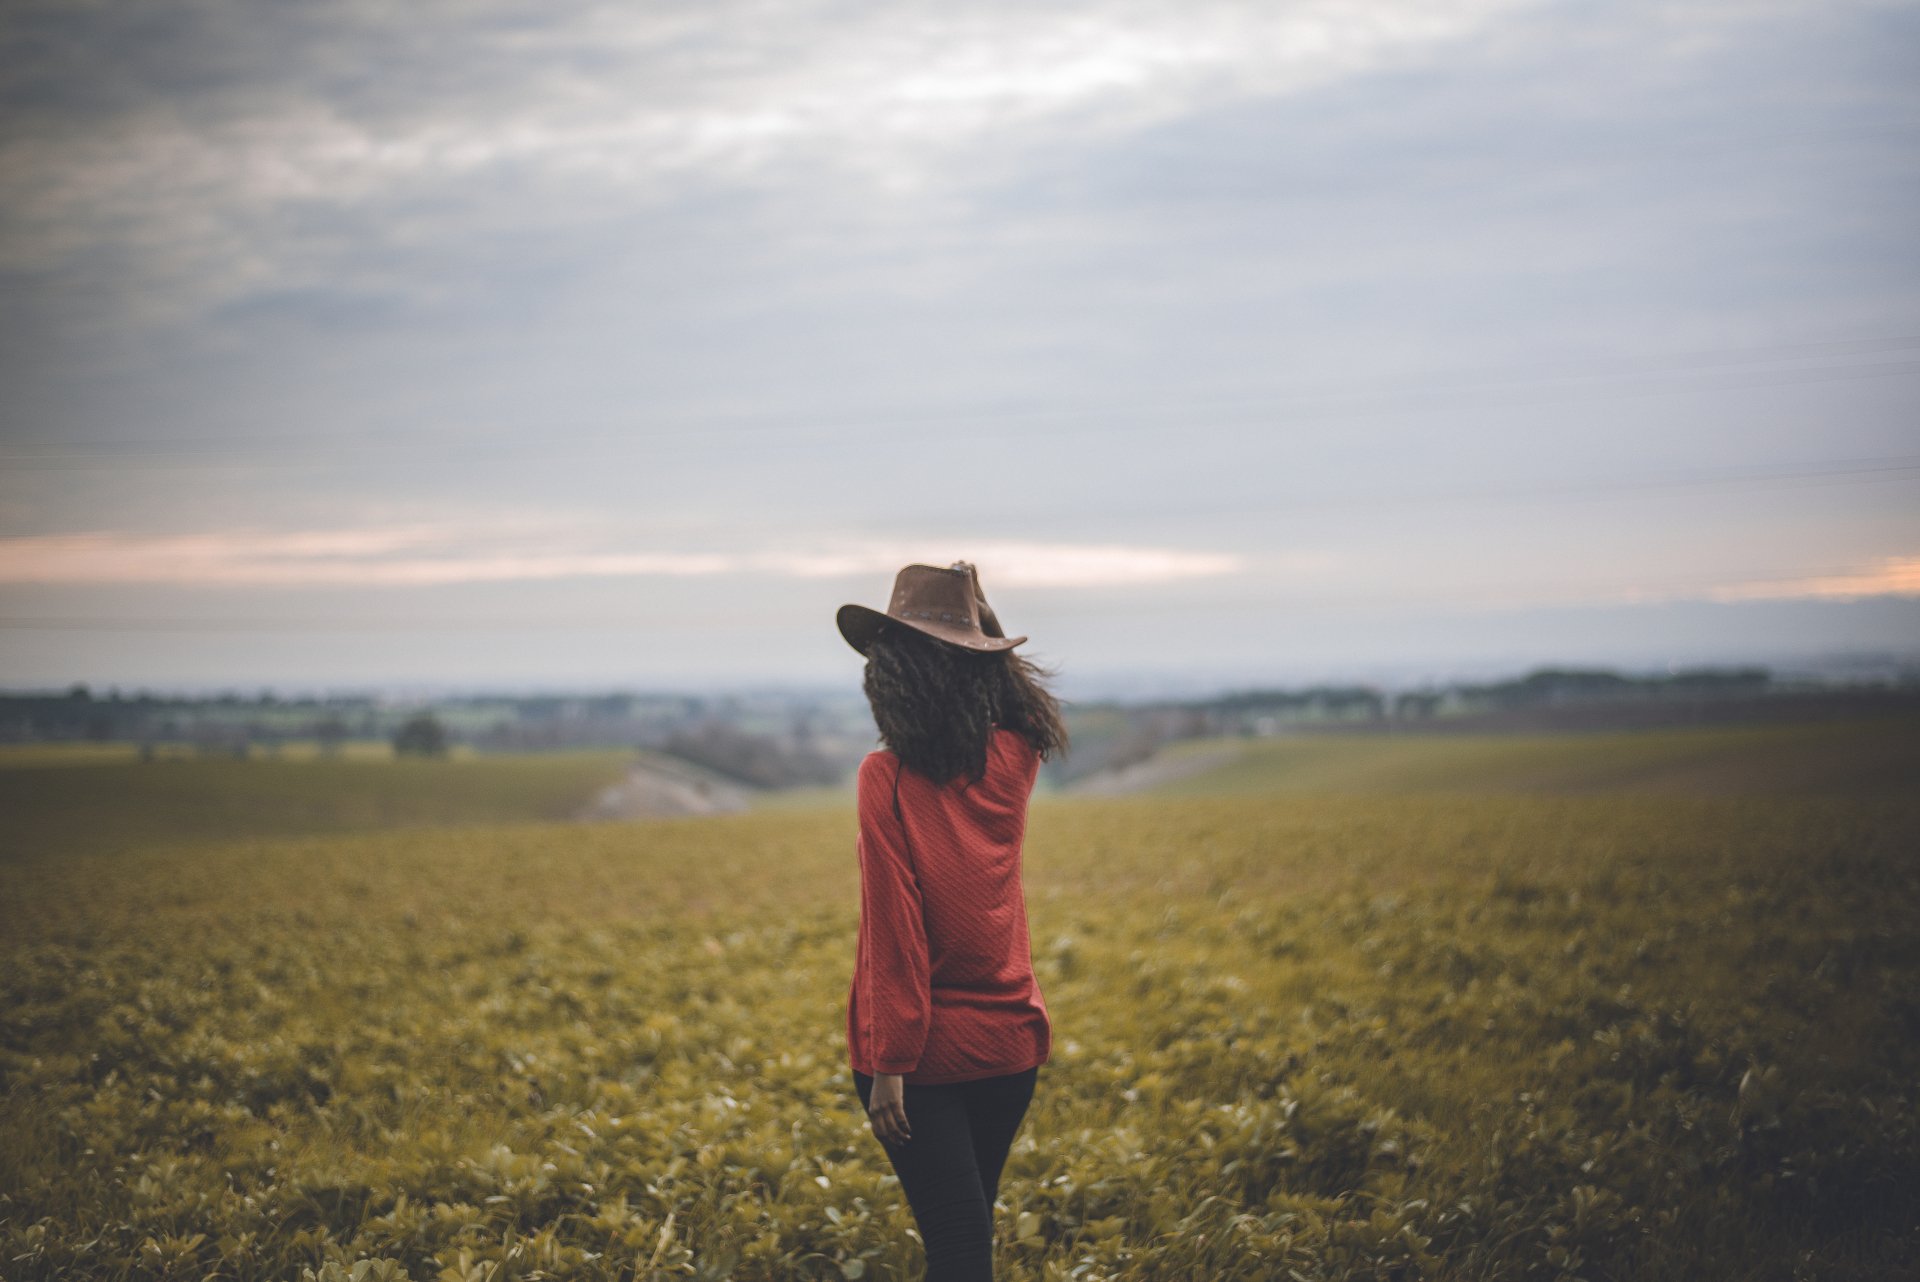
(1595, 1007)
(1857, 758)
(102, 802)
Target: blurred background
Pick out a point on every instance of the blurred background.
(380, 356)
(1459, 459)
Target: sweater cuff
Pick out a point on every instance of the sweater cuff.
(895, 1067)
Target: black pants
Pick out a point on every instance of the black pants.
(950, 1168)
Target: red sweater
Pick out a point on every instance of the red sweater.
(943, 986)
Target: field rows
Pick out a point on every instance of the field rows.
(1438, 1035)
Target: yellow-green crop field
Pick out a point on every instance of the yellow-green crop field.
(1347, 1011)
(103, 805)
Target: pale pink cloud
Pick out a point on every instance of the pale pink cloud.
(443, 553)
(1894, 576)
(1008, 563)
(317, 557)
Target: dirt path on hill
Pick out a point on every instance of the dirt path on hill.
(658, 786)
(1152, 773)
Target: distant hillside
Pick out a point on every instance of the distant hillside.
(1113, 736)
(1877, 756)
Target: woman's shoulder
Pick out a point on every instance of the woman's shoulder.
(1016, 746)
(874, 783)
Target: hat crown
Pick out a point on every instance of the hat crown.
(944, 603)
(933, 595)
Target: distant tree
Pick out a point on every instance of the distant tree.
(1416, 705)
(421, 735)
(329, 732)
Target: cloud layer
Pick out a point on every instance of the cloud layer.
(1274, 328)
(428, 555)
(201, 139)
(1895, 576)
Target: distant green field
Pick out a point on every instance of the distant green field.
(16, 756)
(99, 805)
(1514, 1009)
(1862, 757)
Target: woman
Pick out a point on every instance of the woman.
(946, 1027)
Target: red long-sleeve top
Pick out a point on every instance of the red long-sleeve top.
(943, 985)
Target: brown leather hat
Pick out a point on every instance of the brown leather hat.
(945, 604)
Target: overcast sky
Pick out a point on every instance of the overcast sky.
(593, 344)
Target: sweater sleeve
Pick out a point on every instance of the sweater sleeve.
(898, 1001)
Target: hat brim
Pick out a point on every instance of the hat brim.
(860, 624)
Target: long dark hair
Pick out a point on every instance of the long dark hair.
(936, 704)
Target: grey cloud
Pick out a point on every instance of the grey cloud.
(701, 266)
(203, 120)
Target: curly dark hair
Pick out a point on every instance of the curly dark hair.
(936, 704)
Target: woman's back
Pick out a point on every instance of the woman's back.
(943, 987)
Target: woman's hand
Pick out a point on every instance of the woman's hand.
(887, 1108)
